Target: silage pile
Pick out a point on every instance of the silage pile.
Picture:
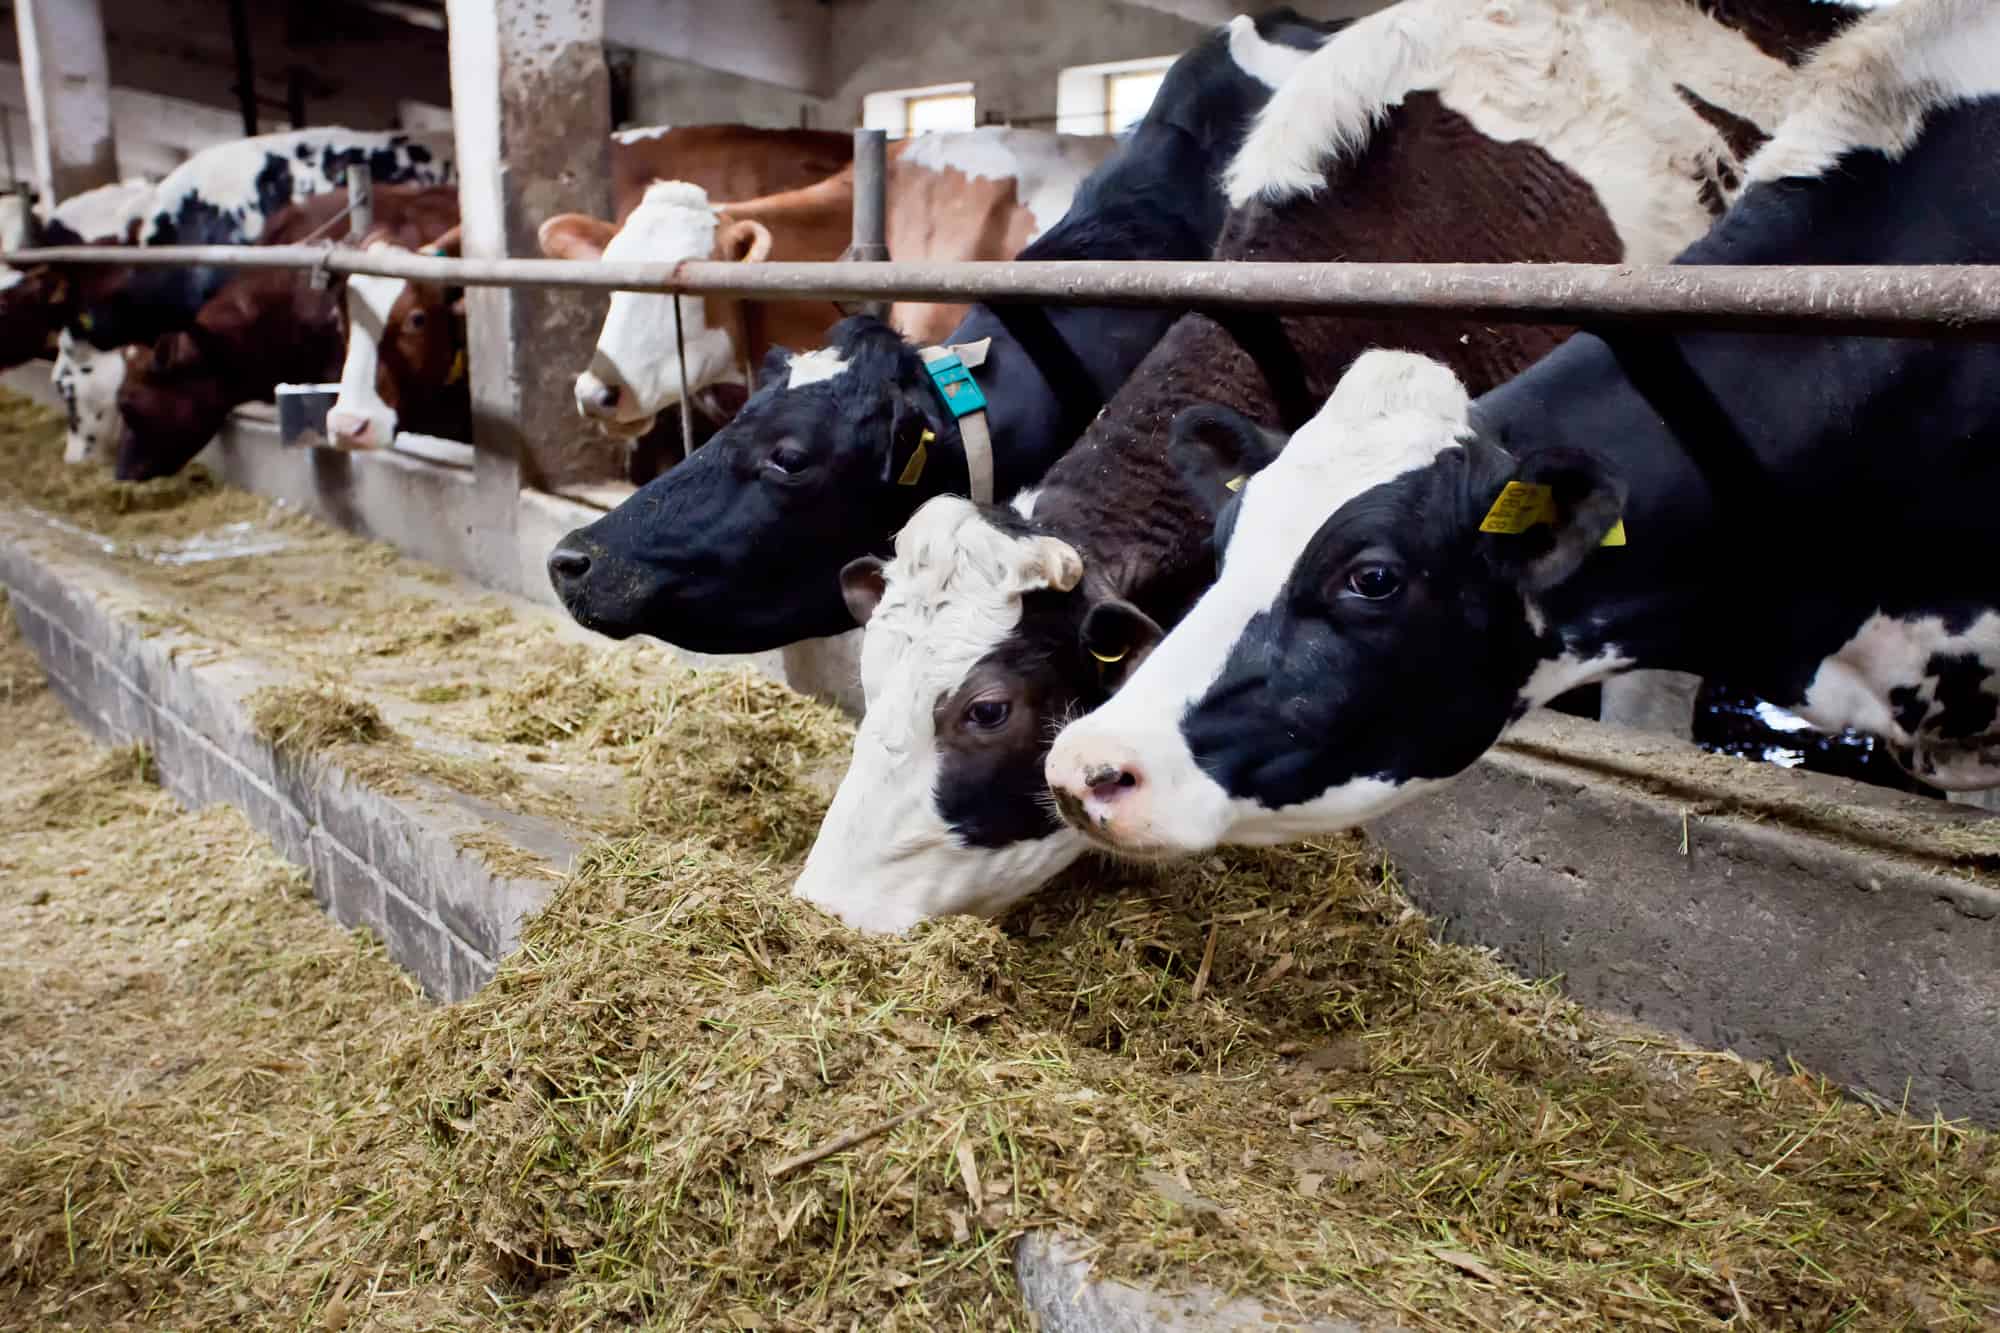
(690, 1102)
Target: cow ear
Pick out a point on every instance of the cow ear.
(1118, 635)
(1558, 507)
(176, 354)
(862, 584)
(744, 242)
(1047, 562)
(575, 236)
(777, 365)
(1216, 449)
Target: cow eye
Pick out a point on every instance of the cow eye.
(988, 714)
(789, 459)
(1375, 582)
(416, 320)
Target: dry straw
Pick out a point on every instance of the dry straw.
(689, 1101)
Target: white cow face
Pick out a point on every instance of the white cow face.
(635, 371)
(1349, 656)
(908, 835)
(87, 380)
(359, 417)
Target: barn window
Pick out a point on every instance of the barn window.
(1110, 98)
(906, 111)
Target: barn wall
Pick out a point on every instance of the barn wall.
(1012, 52)
(672, 92)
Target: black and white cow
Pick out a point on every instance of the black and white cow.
(1431, 131)
(85, 380)
(1810, 516)
(739, 549)
(223, 196)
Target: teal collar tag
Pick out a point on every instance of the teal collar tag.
(955, 383)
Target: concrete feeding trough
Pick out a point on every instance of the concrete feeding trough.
(302, 410)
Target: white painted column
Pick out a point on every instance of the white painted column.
(68, 80)
(531, 108)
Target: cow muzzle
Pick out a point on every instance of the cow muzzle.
(360, 428)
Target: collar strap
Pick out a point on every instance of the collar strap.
(950, 370)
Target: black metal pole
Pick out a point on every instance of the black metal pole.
(246, 67)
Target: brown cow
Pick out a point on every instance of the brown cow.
(421, 361)
(729, 161)
(263, 328)
(981, 194)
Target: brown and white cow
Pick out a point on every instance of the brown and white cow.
(979, 194)
(1433, 131)
(261, 329)
(730, 161)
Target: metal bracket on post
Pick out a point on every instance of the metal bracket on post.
(871, 186)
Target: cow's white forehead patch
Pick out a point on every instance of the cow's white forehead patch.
(814, 367)
(376, 295)
(674, 221)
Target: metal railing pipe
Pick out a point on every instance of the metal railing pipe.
(1942, 301)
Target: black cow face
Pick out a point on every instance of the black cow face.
(739, 549)
(1364, 635)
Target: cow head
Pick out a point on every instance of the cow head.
(406, 360)
(1365, 639)
(982, 638)
(175, 397)
(970, 659)
(735, 549)
(88, 381)
(634, 373)
(34, 302)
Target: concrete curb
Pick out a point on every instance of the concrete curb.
(391, 864)
(1750, 909)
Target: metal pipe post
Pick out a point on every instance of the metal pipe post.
(871, 206)
(360, 201)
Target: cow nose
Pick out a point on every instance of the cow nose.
(568, 565)
(1109, 782)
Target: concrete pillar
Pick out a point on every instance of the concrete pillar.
(1660, 701)
(531, 110)
(68, 80)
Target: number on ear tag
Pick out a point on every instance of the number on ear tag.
(1519, 507)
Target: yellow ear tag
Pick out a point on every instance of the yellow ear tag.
(1235, 483)
(457, 368)
(915, 467)
(1108, 661)
(1519, 507)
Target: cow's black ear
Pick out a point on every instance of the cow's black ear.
(1216, 449)
(908, 459)
(776, 367)
(862, 584)
(1575, 502)
(1117, 635)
